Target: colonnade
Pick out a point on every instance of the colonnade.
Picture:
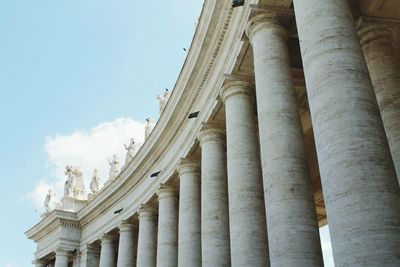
(220, 213)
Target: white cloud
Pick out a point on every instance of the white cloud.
(38, 195)
(88, 150)
(10, 264)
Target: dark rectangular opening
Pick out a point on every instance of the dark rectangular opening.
(193, 115)
(155, 174)
(118, 211)
(236, 3)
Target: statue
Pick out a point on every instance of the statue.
(74, 186)
(79, 189)
(69, 183)
(48, 201)
(163, 100)
(114, 167)
(130, 151)
(149, 127)
(95, 183)
(166, 95)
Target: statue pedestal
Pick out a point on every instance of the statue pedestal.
(72, 204)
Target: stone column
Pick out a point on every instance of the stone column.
(107, 253)
(167, 243)
(126, 245)
(77, 260)
(248, 232)
(90, 256)
(61, 258)
(293, 235)
(384, 68)
(146, 252)
(361, 191)
(215, 245)
(189, 241)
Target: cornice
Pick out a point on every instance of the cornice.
(181, 102)
(51, 222)
(202, 83)
(197, 88)
(159, 137)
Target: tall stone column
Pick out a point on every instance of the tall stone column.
(215, 245)
(248, 232)
(107, 253)
(293, 235)
(384, 68)
(167, 243)
(126, 247)
(90, 256)
(61, 258)
(361, 191)
(189, 237)
(147, 243)
(77, 260)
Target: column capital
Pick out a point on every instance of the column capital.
(211, 132)
(107, 238)
(89, 248)
(268, 18)
(166, 191)
(126, 226)
(372, 29)
(61, 252)
(234, 85)
(40, 262)
(146, 211)
(187, 165)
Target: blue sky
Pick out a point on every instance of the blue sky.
(74, 73)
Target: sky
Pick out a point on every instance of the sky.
(77, 80)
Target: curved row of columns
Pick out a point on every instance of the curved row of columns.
(242, 184)
(292, 223)
(361, 191)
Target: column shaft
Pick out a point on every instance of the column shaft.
(126, 246)
(361, 191)
(147, 243)
(384, 68)
(167, 243)
(189, 238)
(293, 235)
(90, 256)
(107, 253)
(215, 245)
(247, 223)
(77, 261)
(61, 258)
